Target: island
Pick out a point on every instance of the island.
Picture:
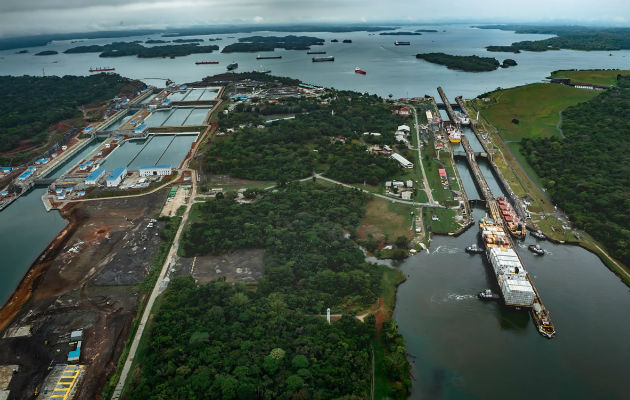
(187, 40)
(400, 33)
(47, 53)
(463, 63)
(21, 51)
(567, 37)
(508, 62)
(347, 41)
(156, 41)
(122, 49)
(252, 44)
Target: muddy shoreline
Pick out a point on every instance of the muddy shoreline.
(29, 282)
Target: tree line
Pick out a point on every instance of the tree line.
(587, 171)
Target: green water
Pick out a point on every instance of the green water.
(463, 348)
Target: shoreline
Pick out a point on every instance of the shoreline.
(24, 290)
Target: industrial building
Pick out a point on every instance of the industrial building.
(117, 175)
(402, 160)
(157, 170)
(94, 177)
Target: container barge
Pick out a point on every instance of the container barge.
(268, 57)
(315, 52)
(515, 284)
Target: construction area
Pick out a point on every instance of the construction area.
(88, 282)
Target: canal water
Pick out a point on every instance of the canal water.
(390, 69)
(156, 149)
(26, 229)
(177, 116)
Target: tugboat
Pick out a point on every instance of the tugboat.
(538, 235)
(534, 248)
(474, 249)
(358, 70)
(488, 295)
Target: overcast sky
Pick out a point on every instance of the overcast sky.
(27, 17)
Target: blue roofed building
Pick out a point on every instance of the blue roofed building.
(95, 176)
(117, 175)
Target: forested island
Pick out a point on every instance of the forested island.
(187, 40)
(416, 33)
(568, 37)
(463, 63)
(122, 49)
(47, 53)
(587, 172)
(269, 43)
(36, 103)
(156, 41)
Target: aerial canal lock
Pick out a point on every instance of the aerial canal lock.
(497, 231)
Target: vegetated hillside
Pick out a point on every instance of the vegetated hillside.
(269, 43)
(220, 341)
(568, 37)
(416, 33)
(594, 76)
(464, 63)
(588, 172)
(122, 49)
(283, 150)
(32, 104)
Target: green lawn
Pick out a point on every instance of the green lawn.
(386, 219)
(516, 149)
(535, 106)
(595, 76)
(444, 225)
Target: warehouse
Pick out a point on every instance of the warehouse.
(94, 177)
(157, 170)
(402, 160)
(116, 177)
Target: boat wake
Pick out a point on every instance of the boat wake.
(446, 250)
(452, 297)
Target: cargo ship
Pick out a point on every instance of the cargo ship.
(454, 134)
(322, 59)
(315, 52)
(102, 69)
(206, 62)
(259, 57)
(512, 278)
(232, 66)
(514, 224)
(400, 43)
(462, 119)
(358, 70)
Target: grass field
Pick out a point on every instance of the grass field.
(535, 106)
(386, 220)
(444, 225)
(595, 76)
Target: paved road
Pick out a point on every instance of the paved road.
(427, 188)
(160, 285)
(412, 203)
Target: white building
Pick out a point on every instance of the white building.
(402, 160)
(404, 128)
(157, 170)
(117, 176)
(95, 176)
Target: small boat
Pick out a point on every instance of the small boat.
(488, 295)
(401, 43)
(534, 248)
(538, 235)
(101, 69)
(474, 249)
(206, 62)
(358, 70)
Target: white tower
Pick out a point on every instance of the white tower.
(328, 315)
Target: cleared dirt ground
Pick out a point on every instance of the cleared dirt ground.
(239, 266)
(86, 282)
